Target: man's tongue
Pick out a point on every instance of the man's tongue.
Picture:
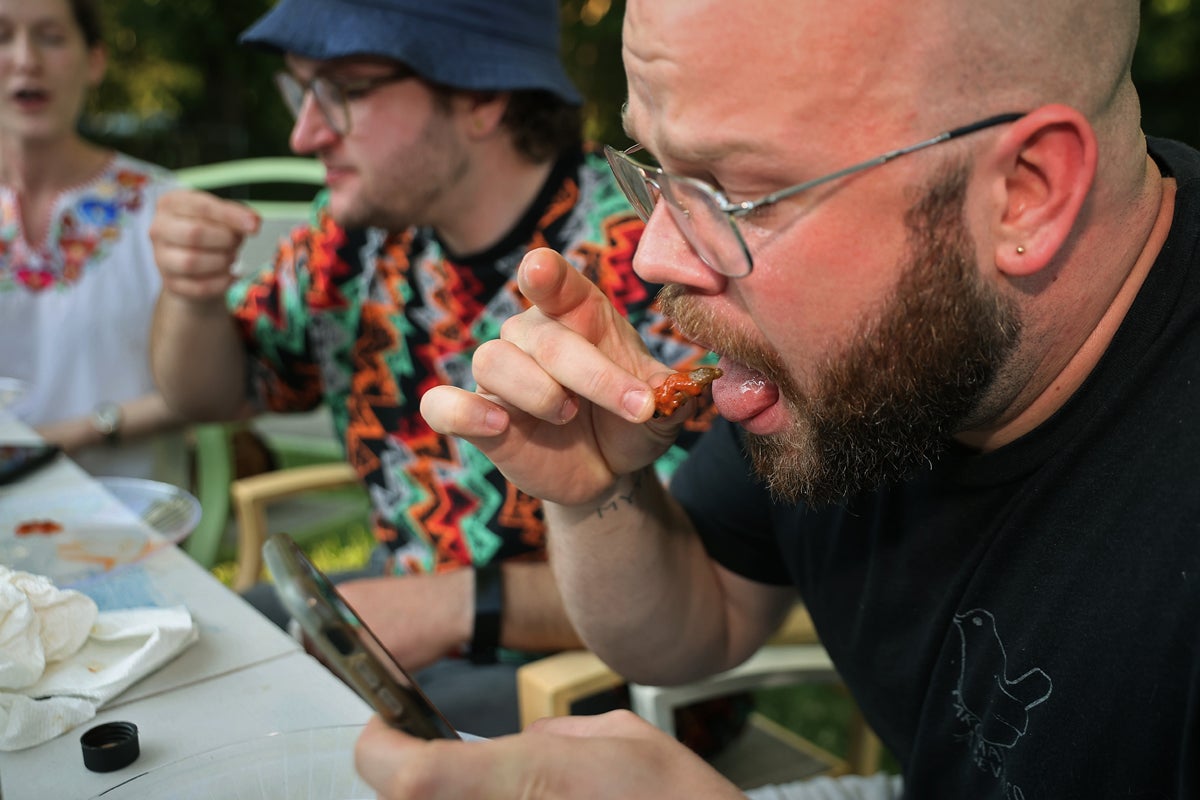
(741, 393)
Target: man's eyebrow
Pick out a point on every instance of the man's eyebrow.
(703, 152)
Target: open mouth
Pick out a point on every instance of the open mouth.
(28, 96)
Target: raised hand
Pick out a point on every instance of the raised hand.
(564, 395)
(196, 237)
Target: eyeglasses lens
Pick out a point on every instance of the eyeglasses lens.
(327, 96)
(707, 228)
(701, 221)
(291, 91)
(640, 193)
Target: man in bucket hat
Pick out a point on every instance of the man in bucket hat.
(450, 136)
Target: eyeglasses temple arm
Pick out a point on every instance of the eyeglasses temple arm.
(953, 133)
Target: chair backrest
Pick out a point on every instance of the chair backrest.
(247, 180)
(244, 179)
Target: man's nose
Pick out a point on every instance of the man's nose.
(311, 132)
(664, 255)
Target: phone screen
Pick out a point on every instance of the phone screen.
(348, 645)
(18, 460)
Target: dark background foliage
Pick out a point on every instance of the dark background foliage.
(180, 91)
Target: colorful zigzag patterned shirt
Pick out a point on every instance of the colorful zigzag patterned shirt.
(367, 321)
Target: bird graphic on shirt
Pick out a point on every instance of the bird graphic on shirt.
(996, 706)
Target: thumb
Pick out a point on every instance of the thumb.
(401, 767)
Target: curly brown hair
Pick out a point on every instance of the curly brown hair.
(542, 124)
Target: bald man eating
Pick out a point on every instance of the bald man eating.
(956, 296)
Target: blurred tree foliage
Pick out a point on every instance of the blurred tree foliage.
(1166, 69)
(180, 91)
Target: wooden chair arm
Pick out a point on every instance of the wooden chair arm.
(252, 495)
(797, 628)
(547, 687)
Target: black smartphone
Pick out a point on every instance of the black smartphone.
(347, 645)
(18, 460)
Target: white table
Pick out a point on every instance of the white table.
(242, 679)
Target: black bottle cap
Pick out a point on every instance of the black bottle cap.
(110, 746)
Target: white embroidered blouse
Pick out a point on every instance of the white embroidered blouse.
(75, 309)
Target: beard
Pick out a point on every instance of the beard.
(911, 377)
(411, 183)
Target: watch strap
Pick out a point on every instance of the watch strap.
(489, 608)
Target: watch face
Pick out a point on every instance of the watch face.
(107, 418)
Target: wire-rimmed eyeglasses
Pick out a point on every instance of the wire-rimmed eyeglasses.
(708, 219)
(333, 96)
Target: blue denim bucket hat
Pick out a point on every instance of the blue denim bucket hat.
(464, 44)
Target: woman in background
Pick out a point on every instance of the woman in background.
(77, 275)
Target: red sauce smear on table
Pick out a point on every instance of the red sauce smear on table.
(42, 527)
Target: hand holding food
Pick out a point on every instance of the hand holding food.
(562, 395)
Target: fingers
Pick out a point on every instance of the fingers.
(505, 370)
(576, 339)
(401, 767)
(619, 723)
(194, 204)
(456, 412)
(196, 237)
(553, 285)
(381, 755)
(543, 368)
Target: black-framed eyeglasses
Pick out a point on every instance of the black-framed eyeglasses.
(332, 95)
(708, 219)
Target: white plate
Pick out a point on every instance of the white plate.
(71, 536)
(315, 764)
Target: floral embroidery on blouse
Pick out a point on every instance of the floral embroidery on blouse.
(85, 223)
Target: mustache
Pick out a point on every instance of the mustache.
(695, 322)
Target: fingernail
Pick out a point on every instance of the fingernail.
(495, 420)
(635, 403)
(566, 412)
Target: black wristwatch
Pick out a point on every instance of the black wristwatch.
(489, 607)
(106, 419)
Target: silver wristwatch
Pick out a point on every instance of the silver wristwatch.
(106, 419)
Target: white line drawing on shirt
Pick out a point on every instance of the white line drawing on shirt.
(996, 711)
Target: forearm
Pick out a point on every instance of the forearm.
(421, 618)
(197, 359)
(140, 417)
(533, 617)
(639, 587)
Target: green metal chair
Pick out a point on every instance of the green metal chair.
(253, 181)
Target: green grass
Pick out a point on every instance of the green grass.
(818, 712)
(337, 551)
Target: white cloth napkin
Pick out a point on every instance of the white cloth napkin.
(61, 660)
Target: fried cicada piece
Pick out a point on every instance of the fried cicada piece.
(679, 387)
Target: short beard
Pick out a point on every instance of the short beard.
(888, 404)
(404, 193)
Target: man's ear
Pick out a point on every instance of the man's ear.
(1044, 166)
(484, 111)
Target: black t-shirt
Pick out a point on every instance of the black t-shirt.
(1025, 623)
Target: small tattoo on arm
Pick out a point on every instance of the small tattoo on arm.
(623, 497)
